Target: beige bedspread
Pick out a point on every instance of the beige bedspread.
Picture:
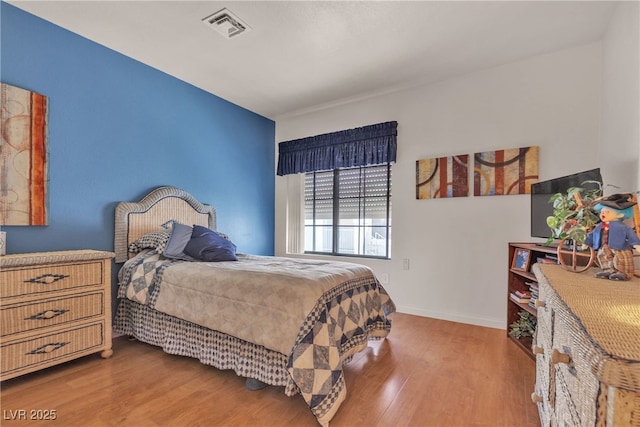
(276, 293)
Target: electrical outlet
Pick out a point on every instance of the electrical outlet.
(405, 264)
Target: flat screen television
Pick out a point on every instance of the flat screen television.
(542, 191)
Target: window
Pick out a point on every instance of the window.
(347, 211)
(347, 191)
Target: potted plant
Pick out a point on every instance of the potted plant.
(573, 217)
(524, 327)
(573, 214)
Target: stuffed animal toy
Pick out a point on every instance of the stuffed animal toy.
(614, 240)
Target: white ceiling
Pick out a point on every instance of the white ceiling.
(304, 55)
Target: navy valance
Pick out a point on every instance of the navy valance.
(364, 146)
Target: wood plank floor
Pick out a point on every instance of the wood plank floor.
(427, 373)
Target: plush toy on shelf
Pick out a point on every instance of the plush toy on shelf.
(613, 239)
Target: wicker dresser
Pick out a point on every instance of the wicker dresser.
(587, 348)
(54, 307)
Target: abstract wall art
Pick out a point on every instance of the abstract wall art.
(442, 177)
(504, 172)
(23, 157)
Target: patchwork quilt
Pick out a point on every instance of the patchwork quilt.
(316, 313)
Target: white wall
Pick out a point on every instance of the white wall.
(620, 148)
(458, 247)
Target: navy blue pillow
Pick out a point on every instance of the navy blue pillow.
(207, 245)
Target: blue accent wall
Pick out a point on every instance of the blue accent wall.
(118, 128)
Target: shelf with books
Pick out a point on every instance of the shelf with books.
(523, 300)
(522, 287)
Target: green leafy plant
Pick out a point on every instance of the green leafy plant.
(573, 216)
(524, 327)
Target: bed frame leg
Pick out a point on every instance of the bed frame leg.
(254, 384)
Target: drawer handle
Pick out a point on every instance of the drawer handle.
(537, 349)
(45, 315)
(558, 357)
(48, 348)
(536, 398)
(540, 304)
(47, 279)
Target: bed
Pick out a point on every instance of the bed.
(274, 320)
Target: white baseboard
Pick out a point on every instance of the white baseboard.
(453, 317)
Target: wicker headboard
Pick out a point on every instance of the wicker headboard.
(135, 219)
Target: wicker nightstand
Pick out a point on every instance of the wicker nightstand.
(54, 307)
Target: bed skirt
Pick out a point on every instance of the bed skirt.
(213, 348)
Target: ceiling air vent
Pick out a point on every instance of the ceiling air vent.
(226, 23)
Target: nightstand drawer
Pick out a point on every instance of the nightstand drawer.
(49, 278)
(34, 353)
(55, 311)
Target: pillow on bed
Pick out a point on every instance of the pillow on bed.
(207, 245)
(168, 224)
(155, 240)
(180, 235)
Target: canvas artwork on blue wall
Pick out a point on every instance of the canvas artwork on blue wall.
(23, 163)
